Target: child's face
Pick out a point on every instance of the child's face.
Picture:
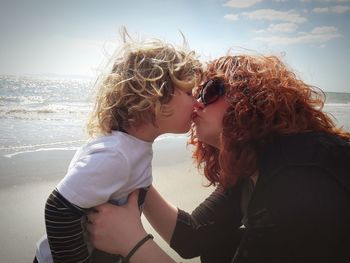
(181, 104)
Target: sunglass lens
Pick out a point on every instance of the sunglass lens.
(211, 91)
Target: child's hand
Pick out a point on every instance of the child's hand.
(116, 229)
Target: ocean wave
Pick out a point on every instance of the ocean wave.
(69, 145)
(9, 99)
(9, 147)
(65, 145)
(70, 148)
(24, 111)
(23, 100)
(51, 111)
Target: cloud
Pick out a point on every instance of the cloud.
(231, 17)
(271, 14)
(318, 35)
(241, 3)
(338, 9)
(321, 10)
(283, 27)
(325, 30)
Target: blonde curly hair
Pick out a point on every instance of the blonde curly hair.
(142, 81)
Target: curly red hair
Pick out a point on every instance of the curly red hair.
(266, 100)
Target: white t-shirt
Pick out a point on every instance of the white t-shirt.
(107, 168)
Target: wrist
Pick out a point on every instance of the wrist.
(137, 247)
(150, 252)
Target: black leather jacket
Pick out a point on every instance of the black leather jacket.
(299, 210)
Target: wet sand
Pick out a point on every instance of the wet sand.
(27, 179)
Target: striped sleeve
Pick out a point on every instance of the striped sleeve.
(65, 231)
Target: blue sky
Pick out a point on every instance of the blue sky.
(72, 37)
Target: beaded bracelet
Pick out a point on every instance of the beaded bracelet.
(136, 247)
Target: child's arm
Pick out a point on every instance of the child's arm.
(64, 229)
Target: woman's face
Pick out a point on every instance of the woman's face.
(208, 121)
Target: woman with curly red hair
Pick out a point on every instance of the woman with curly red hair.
(281, 167)
(264, 99)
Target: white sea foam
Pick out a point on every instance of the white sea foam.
(16, 150)
(42, 149)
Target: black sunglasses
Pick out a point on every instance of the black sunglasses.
(211, 91)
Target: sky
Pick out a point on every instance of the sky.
(75, 37)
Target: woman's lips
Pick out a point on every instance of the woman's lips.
(194, 116)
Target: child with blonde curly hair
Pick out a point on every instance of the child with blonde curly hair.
(147, 92)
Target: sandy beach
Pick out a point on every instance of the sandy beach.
(28, 178)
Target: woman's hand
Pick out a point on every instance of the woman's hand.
(116, 229)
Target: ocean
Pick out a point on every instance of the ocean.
(43, 114)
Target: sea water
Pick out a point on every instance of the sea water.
(43, 114)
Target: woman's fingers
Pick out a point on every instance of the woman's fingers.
(116, 229)
(105, 210)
